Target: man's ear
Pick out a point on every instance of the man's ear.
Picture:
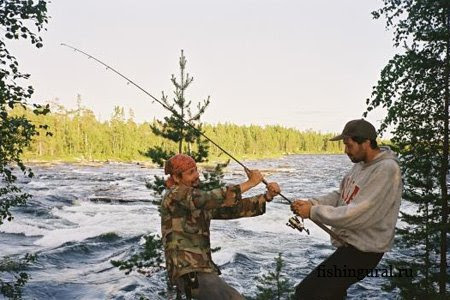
(176, 178)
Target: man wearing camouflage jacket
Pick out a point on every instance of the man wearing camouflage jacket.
(186, 212)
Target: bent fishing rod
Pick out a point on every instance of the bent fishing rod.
(293, 222)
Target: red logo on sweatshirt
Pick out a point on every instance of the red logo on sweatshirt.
(349, 190)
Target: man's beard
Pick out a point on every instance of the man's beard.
(196, 183)
(355, 159)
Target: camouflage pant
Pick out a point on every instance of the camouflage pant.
(211, 286)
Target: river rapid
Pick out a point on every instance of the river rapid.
(82, 217)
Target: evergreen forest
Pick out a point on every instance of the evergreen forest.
(77, 135)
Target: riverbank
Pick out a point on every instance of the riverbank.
(145, 162)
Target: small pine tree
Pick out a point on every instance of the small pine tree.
(189, 141)
(273, 285)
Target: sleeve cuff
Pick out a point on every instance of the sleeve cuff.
(236, 190)
(313, 213)
(313, 201)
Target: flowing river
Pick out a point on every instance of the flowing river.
(82, 217)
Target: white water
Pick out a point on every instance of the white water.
(65, 227)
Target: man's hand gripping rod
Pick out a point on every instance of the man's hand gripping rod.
(294, 222)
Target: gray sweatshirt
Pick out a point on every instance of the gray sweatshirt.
(364, 210)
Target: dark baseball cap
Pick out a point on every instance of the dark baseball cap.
(360, 128)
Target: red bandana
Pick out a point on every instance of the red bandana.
(177, 164)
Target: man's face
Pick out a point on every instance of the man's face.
(356, 152)
(189, 177)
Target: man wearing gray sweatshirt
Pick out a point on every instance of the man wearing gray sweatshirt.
(363, 212)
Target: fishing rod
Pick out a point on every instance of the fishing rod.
(293, 222)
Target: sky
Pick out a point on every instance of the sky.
(301, 64)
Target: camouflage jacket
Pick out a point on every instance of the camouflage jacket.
(186, 213)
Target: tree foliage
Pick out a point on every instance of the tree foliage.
(18, 20)
(274, 285)
(174, 129)
(413, 87)
(147, 261)
(12, 269)
(16, 132)
(77, 135)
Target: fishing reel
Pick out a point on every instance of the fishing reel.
(295, 223)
